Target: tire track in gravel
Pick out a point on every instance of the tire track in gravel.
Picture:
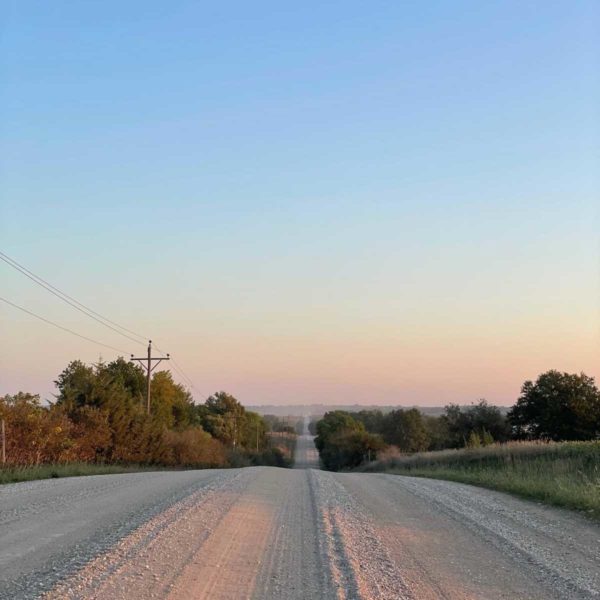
(251, 534)
(147, 562)
(532, 535)
(459, 541)
(52, 528)
(292, 567)
(359, 562)
(228, 562)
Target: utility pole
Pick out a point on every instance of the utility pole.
(149, 368)
(235, 417)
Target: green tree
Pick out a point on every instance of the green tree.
(373, 420)
(114, 390)
(253, 431)
(126, 374)
(558, 406)
(484, 417)
(172, 404)
(478, 417)
(220, 415)
(437, 429)
(348, 449)
(75, 385)
(343, 442)
(335, 422)
(225, 418)
(406, 429)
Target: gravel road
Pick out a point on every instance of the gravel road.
(268, 533)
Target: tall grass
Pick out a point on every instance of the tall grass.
(560, 473)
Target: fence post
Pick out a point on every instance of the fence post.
(3, 433)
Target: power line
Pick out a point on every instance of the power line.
(82, 308)
(183, 374)
(179, 370)
(86, 311)
(61, 327)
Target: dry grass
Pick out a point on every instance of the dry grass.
(563, 474)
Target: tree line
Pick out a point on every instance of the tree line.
(557, 406)
(99, 416)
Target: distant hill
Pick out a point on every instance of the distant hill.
(318, 410)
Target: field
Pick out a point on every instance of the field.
(564, 474)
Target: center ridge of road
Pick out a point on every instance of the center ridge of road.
(287, 534)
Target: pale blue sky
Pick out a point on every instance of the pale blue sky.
(340, 201)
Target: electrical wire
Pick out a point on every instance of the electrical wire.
(61, 327)
(82, 308)
(179, 370)
(183, 374)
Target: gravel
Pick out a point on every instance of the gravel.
(51, 528)
(282, 534)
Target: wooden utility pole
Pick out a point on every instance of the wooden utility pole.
(235, 418)
(149, 368)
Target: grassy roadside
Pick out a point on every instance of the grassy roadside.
(16, 474)
(281, 455)
(563, 474)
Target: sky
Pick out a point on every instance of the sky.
(311, 202)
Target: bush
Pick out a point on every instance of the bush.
(271, 457)
(343, 443)
(194, 448)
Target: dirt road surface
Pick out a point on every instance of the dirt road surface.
(268, 533)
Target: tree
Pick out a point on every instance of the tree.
(85, 385)
(127, 374)
(486, 418)
(335, 422)
(348, 449)
(35, 434)
(172, 405)
(227, 420)
(558, 406)
(219, 416)
(478, 417)
(252, 429)
(437, 429)
(343, 442)
(406, 429)
(113, 389)
(373, 420)
(75, 385)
